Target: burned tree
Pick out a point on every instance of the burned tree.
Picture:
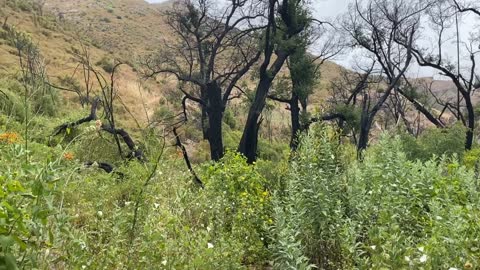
(463, 77)
(212, 51)
(374, 26)
(109, 93)
(345, 96)
(288, 21)
(304, 71)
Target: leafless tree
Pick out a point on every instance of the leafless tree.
(374, 26)
(212, 50)
(464, 79)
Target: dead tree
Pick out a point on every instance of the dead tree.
(287, 23)
(304, 71)
(464, 80)
(467, 8)
(374, 26)
(212, 51)
(134, 150)
(91, 117)
(345, 95)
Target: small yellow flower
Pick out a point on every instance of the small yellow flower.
(68, 156)
(468, 265)
(265, 193)
(9, 137)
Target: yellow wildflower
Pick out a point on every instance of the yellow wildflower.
(68, 156)
(9, 137)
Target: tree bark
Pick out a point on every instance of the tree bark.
(365, 125)
(215, 110)
(295, 118)
(91, 117)
(134, 150)
(422, 109)
(249, 141)
(204, 118)
(470, 122)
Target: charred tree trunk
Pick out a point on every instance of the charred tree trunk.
(295, 118)
(422, 109)
(365, 125)
(204, 118)
(215, 111)
(470, 122)
(135, 152)
(91, 117)
(249, 141)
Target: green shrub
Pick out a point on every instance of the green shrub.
(238, 204)
(435, 142)
(383, 213)
(46, 104)
(163, 115)
(471, 159)
(311, 206)
(272, 150)
(229, 119)
(11, 101)
(27, 192)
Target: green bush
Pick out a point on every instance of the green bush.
(272, 150)
(27, 207)
(23, 5)
(11, 102)
(308, 212)
(383, 213)
(238, 204)
(46, 104)
(163, 115)
(229, 119)
(435, 142)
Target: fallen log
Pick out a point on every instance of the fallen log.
(135, 151)
(108, 168)
(91, 117)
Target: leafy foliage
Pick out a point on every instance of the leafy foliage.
(435, 142)
(386, 212)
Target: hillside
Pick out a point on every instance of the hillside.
(124, 30)
(101, 169)
(58, 40)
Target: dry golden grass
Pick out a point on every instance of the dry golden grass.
(120, 29)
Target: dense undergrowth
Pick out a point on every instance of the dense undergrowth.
(411, 203)
(322, 208)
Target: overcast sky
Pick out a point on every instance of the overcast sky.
(328, 10)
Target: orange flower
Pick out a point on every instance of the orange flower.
(68, 156)
(9, 137)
